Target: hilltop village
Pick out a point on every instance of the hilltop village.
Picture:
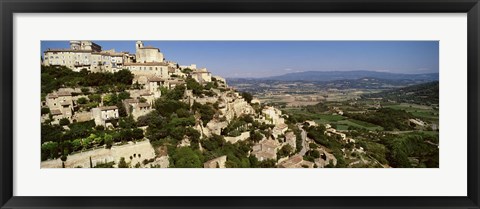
(107, 109)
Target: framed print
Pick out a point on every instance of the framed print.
(347, 104)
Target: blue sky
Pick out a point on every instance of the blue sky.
(269, 58)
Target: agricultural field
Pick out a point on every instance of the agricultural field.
(430, 113)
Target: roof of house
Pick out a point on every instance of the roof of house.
(290, 136)
(145, 64)
(64, 93)
(143, 104)
(66, 50)
(292, 162)
(55, 112)
(59, 94)
(156, 79)
(130, 101)
(176, 81)
(146, 93)
(270, 143)
(65, 103)
(282, 126)
(266, 154)
(52, 96)
(214, 162)
(149, 47)
(108, 108)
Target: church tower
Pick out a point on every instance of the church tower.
(139, 45)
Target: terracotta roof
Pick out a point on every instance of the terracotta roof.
(59, 94)
(146, 64)
(145, 94)
(281, 126)
(66, 50)
(214, 162)
(176, 81)
(270, 143)
(129, 101)
(65, 103)
(149, 47)
(52, 96)
(156, 79)
(290, 136)
(108, 108)
(199, 72)
(55, 112)
(143, 105)
(293, 162)
(64, 93)
(266, 155)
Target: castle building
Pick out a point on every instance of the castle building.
(85, 55)
(147, 53)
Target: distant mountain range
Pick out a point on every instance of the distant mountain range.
(349, 75)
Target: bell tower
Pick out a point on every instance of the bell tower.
(139, 45)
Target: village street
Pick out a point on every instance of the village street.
(305, 146)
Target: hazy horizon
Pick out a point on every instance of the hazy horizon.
(256, 59)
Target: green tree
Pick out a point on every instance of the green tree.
(110, 99)
(127, 122)
(193, 85)
(122, 163)
(186, 158)
(123, 95)
(206, 111)
(285, 151)
(247, 96)
(108, 140)
(95, 98)
(122, 111)
(85, 90)
(82, 100)
(77, 144)
(137, 133)
(64, 122)
(45, 110)
(123, 76)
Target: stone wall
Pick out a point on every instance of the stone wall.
(242, 137)
(101, 155)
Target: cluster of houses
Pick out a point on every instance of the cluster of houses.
(154, 73)
(148, 65)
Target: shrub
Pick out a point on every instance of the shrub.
(64, 122)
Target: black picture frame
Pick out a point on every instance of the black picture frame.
(10, 7)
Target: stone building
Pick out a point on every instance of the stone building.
(104, 115)
(296, 161)
(158, 69)
(146, 54)
(266, 149)
(154, 85)
(218, 162)
(60, 102)
(140, 109)
(291, 139)
(202, 75)
(271, 115)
